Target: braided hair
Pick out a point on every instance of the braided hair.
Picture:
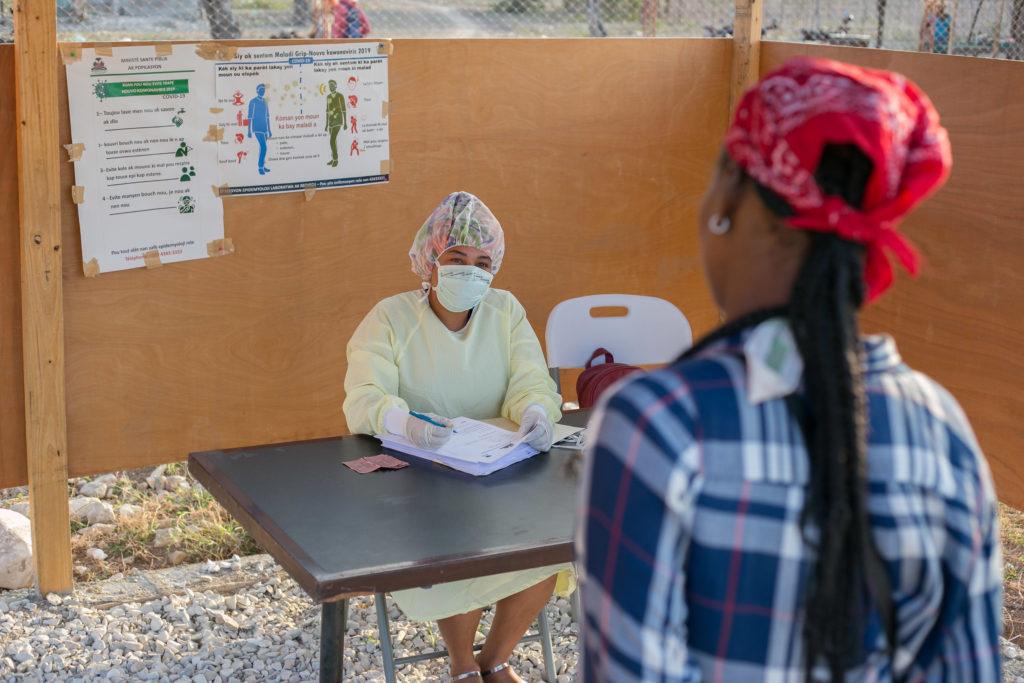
(827, 295)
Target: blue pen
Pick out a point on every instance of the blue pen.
(420, 416)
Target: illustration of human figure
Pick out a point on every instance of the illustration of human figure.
(183, 150)
(187, 173)
(335, 118)
(259, 124)
(185, 205)
(241, 155)
(353, 101)
(237, 98)
(354, 149)
(352, 82)
(354, 124)
(177, 120)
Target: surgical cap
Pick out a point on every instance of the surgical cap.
(461, 220)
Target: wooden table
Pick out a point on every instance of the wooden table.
(340, 534)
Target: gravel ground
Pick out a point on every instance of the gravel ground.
(229, 622)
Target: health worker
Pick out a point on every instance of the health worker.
(457, 347)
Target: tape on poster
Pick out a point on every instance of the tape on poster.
(216, 110)
(221, 247)
(216, 51)
(386, 47)
(152, 258)
(91, 268)
(104, 50)
(385, 167)
(163, 49)
(78, 194)
(70, 53)
(75, 150)
(219, 190)
(309, 189)
(384, 109)
(215, 133)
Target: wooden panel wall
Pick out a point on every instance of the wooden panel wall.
(12, 389)
(962, 321)
(594, 154)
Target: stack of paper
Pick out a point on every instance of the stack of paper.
(476, 448)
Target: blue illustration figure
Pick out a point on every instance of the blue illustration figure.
(259, 124)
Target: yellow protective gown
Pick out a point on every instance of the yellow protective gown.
(402, 355)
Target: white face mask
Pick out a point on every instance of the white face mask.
(460, 288)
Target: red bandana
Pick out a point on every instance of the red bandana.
(783, 123)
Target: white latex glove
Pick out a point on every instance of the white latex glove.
(536, 428)
(420, 433)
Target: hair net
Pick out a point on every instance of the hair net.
(461, 220)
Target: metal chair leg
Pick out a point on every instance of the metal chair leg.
(545, 644)
(384, 631)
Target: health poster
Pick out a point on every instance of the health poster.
(303, 116)
(139, 116)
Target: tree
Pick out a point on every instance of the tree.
(881, 23)
(221, 18)
(1017, 30)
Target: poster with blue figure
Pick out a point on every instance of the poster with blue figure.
(303, 116)
(259, 124)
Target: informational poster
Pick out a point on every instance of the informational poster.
(303, 116)
(160, 134)
(143, 171)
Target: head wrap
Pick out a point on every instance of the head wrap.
(784, 122)
(461, 220)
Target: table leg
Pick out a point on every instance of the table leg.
(384, 631)
(333, 622)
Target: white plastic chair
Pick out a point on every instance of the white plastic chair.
(652, 331)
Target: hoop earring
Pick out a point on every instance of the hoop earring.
(719, 226)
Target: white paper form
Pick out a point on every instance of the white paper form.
(475, 441)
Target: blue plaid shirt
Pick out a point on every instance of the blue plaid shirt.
(690, 547)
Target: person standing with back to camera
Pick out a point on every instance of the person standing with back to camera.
(789, 500)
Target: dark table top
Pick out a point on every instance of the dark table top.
(338, 532)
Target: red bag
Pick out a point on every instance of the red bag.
(595, 379)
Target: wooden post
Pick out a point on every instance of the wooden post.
(42, 313)
(746, 47)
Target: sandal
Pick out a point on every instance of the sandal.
(468, 674)
(495, 669)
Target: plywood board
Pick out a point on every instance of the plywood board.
(13, 469)
(594, 154)
(962, 321)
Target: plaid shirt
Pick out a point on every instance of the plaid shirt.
(690, 547)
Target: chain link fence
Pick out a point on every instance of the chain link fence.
(987, 28)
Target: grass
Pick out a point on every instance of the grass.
(202, 528)
(1011, 527)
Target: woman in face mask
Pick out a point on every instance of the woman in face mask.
(456, 347)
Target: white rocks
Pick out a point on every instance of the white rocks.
(165, 537)
(90, 510)
(156, 478)
(54, 599)
(127, 511)
(16, 567)
(175, 482)
(21, 508)
(248, 635)
(95, 554)
(93, 489)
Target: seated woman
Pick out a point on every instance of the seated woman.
(789, 500)
(457, 348)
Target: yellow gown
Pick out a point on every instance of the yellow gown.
(402, 355)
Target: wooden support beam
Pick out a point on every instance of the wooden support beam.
(42, 313)
(746, 47)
